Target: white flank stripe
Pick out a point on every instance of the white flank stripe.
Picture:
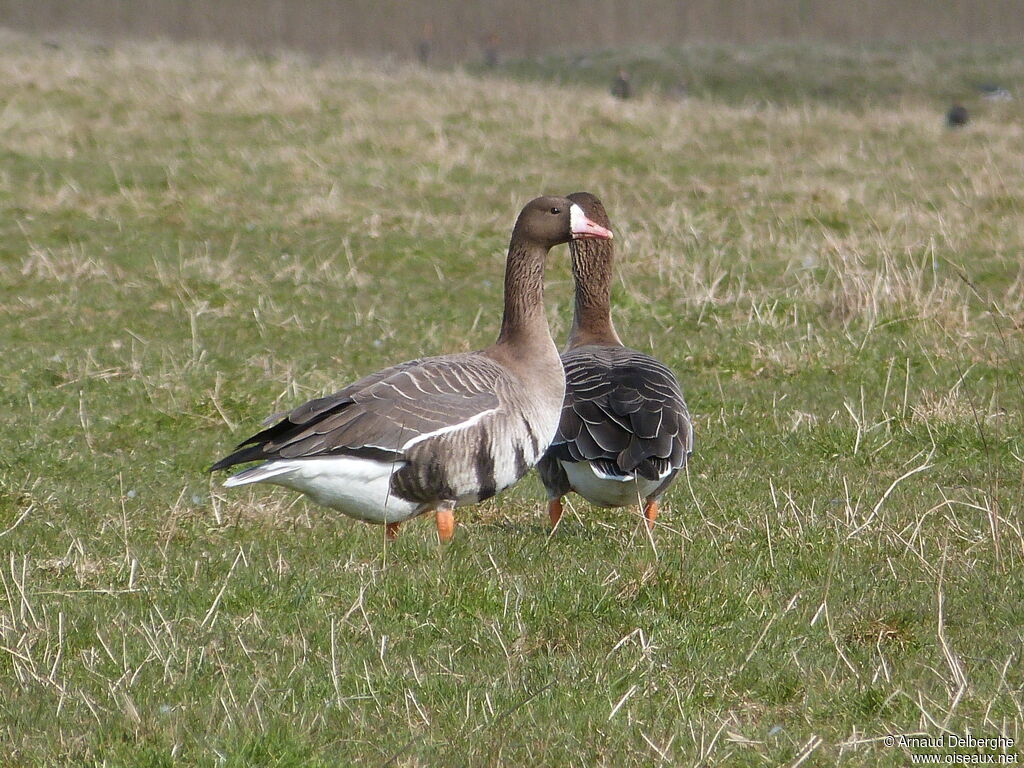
(615, 478)
(627, 478)
(453, 428)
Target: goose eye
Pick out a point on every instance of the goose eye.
(556, 211)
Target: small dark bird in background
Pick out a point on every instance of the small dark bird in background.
(492, 55)
(957, 116)
(621, 88)
(424, 44)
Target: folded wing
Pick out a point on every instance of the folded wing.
(624, 412)
(383, 415)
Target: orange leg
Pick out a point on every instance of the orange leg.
(555, 511)
(651, 513)
(445, 524)
(391, 531)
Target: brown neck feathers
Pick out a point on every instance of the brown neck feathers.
(524, 321)
(592, 272)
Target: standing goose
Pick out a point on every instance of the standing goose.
(439, 432)
(625, 431)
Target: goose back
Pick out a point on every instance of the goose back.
(625, 418)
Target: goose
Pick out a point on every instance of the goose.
(435, 433)
(625, 431)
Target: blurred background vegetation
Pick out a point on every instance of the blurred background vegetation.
(450, 31)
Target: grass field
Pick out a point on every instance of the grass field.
(789, 73)
(193, 239)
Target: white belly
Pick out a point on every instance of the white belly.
(605, 491)
(359, 488)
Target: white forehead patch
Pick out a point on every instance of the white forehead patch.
(576, 217)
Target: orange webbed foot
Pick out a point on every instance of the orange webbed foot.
(445, 520)
(651, 513)
(555, 511)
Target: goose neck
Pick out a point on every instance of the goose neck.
(592, 275)
(524, 322)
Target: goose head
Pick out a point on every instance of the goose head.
(549, 221)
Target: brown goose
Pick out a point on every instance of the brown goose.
(625, 430)
(436, 433)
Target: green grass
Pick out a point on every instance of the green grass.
(193, 239)
(848, 76)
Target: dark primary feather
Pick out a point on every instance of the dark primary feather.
(623, 411)
(375, 416)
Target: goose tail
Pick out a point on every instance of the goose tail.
(260, 474)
